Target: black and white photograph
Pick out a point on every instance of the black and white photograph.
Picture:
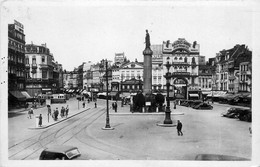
(129, 83)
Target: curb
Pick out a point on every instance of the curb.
(44, 127)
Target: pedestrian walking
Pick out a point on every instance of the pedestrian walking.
(95, 105)
(49, 109)
(30, 113)
(67, 111)
(56, 114)
(40, 120)
(115, 105)
(62, 112)
(83, 104)
(179, 127)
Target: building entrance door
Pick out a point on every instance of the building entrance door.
(181, 88)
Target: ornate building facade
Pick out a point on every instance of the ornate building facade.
(183, 58)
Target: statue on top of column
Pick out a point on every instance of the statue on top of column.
(147, 40)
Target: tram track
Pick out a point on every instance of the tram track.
(39, 140)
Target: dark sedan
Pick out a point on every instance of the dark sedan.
(60, 152)
(203, 106)
(232, 112)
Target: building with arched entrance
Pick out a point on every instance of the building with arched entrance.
(184, 60)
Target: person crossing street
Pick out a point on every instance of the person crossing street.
(179, 127)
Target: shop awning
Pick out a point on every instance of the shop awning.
(113, 93)
(125, 94)
(102, 94)
(217, 94)
(17, 94)
(206, 93)
(26, 95)
(193, 95)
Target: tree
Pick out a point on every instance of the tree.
(159, 98)
(139, 101)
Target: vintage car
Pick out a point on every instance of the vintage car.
(218, 157)
(232, 112)
(245, 115)
(203, 106)
(60, 152)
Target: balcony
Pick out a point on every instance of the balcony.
(245, 72)
(34, 66)
(181, 74)
(231, 86)
(27, 66)
(243, 81)
(180, 64)
(33, 71)
(44, 66)
(193, 64)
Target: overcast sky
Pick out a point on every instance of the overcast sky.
(80, 32)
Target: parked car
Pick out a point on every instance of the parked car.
(245, 115)
(219, 157)
(232, 112)
(195, 103)
(60, 152)
(203, 106)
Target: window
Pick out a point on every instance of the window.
(43, 59)
(44, 74)
(34, 60)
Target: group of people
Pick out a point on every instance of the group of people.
(63, 112)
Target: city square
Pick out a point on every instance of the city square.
(133, 84)
(205, 132)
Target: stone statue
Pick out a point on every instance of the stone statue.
(147, 40)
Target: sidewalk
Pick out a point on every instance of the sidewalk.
(75, 108)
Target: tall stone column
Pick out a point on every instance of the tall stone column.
(147, 65)
(147, 70)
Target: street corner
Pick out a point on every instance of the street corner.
(47, 125)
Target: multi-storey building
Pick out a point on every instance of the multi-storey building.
(40, 64)
(80, 76)
(228, 68)
(86, 70)
(57, 78)
(157, 67)
(183, 58)
(119, 58)
(205, 80)
(60, 77)
(131, 77)
(16, 63)
(245, 71)
(70, 79)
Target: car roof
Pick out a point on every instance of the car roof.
(60, 148)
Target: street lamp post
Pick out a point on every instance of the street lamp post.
(107, 127)
(168, 110)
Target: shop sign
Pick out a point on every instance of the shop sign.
(181, 73)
